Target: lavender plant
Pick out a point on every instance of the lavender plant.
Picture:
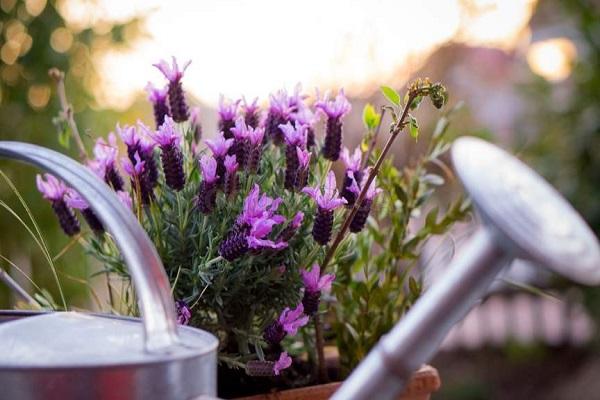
(244, 222)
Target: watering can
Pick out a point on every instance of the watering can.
(73, 355)
(522, 217)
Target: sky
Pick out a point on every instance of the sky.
(255, 47)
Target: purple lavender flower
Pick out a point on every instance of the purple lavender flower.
(360, 218)
(158, 98)
(303, 167)
(74, 200)
(252, 226)
(279, 114)
(231, 179)
(288, 323)
(353, 172)
(255, 141)
(251, 112)
(334, 110)
(177, 103)
(105, 162)
(130, 136)
(55, 191)
(207, 193)
(195, 123)
(139, 178)
(306, 117)
(327, 202)
(296, 100)
(143, 146)
(241, 144)
(169, 139)
(220, 148)
(184, 314)
(282, 363)
(295, 138)
(227, 110)
(292, 227)
(314, 283)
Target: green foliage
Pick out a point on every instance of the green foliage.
(26, 112)
(374, 286)
(566, 144)
(371, 118)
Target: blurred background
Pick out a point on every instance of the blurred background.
(528, 72)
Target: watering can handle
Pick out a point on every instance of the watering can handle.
(150, 280)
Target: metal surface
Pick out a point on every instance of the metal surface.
(17, 289)
(74, 355)
(523, 217)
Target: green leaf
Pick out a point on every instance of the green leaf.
(414, 287)
(371, 118)
(391, 95)
(63, 131)
(431, 218)
(413, 127)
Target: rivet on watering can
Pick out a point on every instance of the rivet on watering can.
(522, 217)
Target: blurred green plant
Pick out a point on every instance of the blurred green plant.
(374, 285)
(34, 38)
(566, 133)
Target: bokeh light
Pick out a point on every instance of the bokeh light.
(552, 59)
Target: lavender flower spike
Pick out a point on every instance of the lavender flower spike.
(55, 191)
(314, 283)
(251, 112)
(303, 167)
(279, 114)
(295, 138)
(74, 200)
(327, 202)
(292, 227)
(360, 219)
(241, 144)
(131, 138)
(169, 139)
(158, 98)
(207, 193)
(231, 179)
(288, 323)
(255, 141)
(353, 172)
(105, 162)
(227, 111)
(252, 226)
(282, 363)
(184, 314)
(139, 178)
(334, 110)
(306, 117)
(220, 148)
(179, 108)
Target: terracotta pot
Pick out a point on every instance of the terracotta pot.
(424, 382)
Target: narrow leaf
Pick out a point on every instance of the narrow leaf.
(413, 127)
(391, 95)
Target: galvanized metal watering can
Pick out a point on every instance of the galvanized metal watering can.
(70, 355)
(522, 217)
